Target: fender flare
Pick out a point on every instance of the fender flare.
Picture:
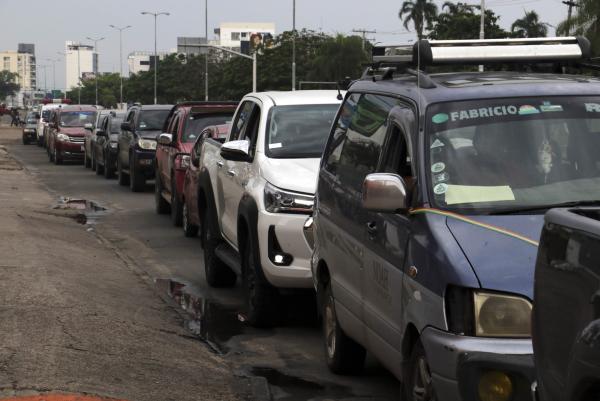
(248, 212)
(205, 193)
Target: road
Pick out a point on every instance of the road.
(288, 357)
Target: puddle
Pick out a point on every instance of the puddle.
(293, 388)
(209, 320)
(90, 210)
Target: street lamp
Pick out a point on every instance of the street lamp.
(97, 62)
(45, 81)
(121, 29)
(155, 15)
(253, 58)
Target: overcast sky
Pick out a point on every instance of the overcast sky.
(48, 24)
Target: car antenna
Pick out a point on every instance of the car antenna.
(339, 95)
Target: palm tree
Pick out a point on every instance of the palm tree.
(529, 26)
(420, 12)
(586, 21)
(458, 8)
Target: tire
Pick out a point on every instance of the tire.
(189, 229)
(176, 206)
(160, 204)
(122, 177)
(108, 171)
(25, 140)
(417, 384)
(218, 274)
(99, 167)
(342, 354)
(87, 163)
(261, 298)
(137, 182)
(93, 162)
(56, 157)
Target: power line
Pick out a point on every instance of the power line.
(571, 4)
(364, 35)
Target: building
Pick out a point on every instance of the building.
(191, 45)
(139, 61)
(80, 61)
(232, 34)
(21, 62)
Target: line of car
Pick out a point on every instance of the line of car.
(412, 204)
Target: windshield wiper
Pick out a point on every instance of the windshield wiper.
(540, 208)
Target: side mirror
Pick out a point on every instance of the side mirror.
(165, 139)
(383, 192)
(126, 126)
(101, 133)
(237, 151)
(88, 126)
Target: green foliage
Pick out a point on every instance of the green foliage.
(108, 91)
(8, 86)
(529, 26)
(422, 14)
(461, 22)
(586, 22)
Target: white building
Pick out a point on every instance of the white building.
(81, 60)
(22, 64)
(232, 34)
(139, 61)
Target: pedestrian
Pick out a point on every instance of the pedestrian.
(14, 113)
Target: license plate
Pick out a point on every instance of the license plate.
(82, 148)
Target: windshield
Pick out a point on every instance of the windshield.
(115, 125)
(152, 120)
(511, 153)
(46, 114)
(299, 131)
(77, 118)
(196, 123)
(31, 118)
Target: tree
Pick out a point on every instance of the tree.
(586, 22)
(108, 91)
(458, 8)
(529, 26)
(338, 58)
(461, 22)
(8, 86)
(421, 13)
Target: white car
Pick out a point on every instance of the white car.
(256, 191)
(42, 128)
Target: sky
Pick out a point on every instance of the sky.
(49, 23)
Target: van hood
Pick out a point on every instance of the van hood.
(149, 134)
(73, 131)
(501, 261)
(298, 175)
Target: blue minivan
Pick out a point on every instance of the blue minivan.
(430, 203)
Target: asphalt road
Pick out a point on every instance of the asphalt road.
(289, 356)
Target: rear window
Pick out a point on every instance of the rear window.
(196, 123)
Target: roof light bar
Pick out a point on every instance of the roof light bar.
(537, 50)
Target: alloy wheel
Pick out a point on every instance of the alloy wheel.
(423, 385)
(330, 327)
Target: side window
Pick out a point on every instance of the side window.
(241, 120)
(104, 124)
(332, 155)
(362, 145)
(250, 132)
(174, 125)
(130, 116)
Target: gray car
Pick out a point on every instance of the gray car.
(30, 127)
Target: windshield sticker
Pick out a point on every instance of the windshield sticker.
(440, 189)
(436, 144)
(142, 125)
(526, 110)
(275, 145)
(484, 112)
(592, 107)
(438, 167)
(440, 118)
(548, 107)
(457, 194)
(441, 178)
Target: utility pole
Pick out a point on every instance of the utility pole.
(206, 55)
(571, 4)
(155, 15)
(96, 73)
(482, 27)
(121, 29)
(363, 33)
(293, 45)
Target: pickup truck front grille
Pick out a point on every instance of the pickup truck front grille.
(78, 139)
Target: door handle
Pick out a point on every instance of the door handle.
(219, 164)
(231, 173)
(372, 228)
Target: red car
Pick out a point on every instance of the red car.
(67, 132)
(190, 213)
(182, 128)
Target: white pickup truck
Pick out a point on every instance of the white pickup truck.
(255, 192)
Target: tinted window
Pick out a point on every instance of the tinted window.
(355, 154)
(241, 120)
(299, 131)
(152, 120)
(77, 118)
(115, 125)
(46, 114)
(197, 122)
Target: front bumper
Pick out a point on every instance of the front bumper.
(69, 149)
(143, 162)
(281, 239)
(458, 362)
(30, 135)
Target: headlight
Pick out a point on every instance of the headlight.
(499, 315)
(282, 201)
(148, 144)
(62, 137)
(113, 145)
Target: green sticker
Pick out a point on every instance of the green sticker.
(440, 189)
(440, 118)
(527, 110)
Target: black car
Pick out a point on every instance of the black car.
(136, 146)
(566, 316)
(104, 147)
(30, 127)
(90, 138)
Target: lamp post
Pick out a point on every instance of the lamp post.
(253, 58)
(45, 81)
(155, 15)
(294, 45)
(121, 29)
(482, 27)
(96, 72)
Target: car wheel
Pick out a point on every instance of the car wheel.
(342, 354)
(50, 155)
(218, 274)
(93, 162)
(123, 178)
(25, 140)
(189, 229)
(87, 163)
(108, 171)
(418, 384)
(262, 303)
(56, 157)
(99, 167)
(176, 207)
(137, 182)
(160, 204)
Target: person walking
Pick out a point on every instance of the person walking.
(14, 113)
